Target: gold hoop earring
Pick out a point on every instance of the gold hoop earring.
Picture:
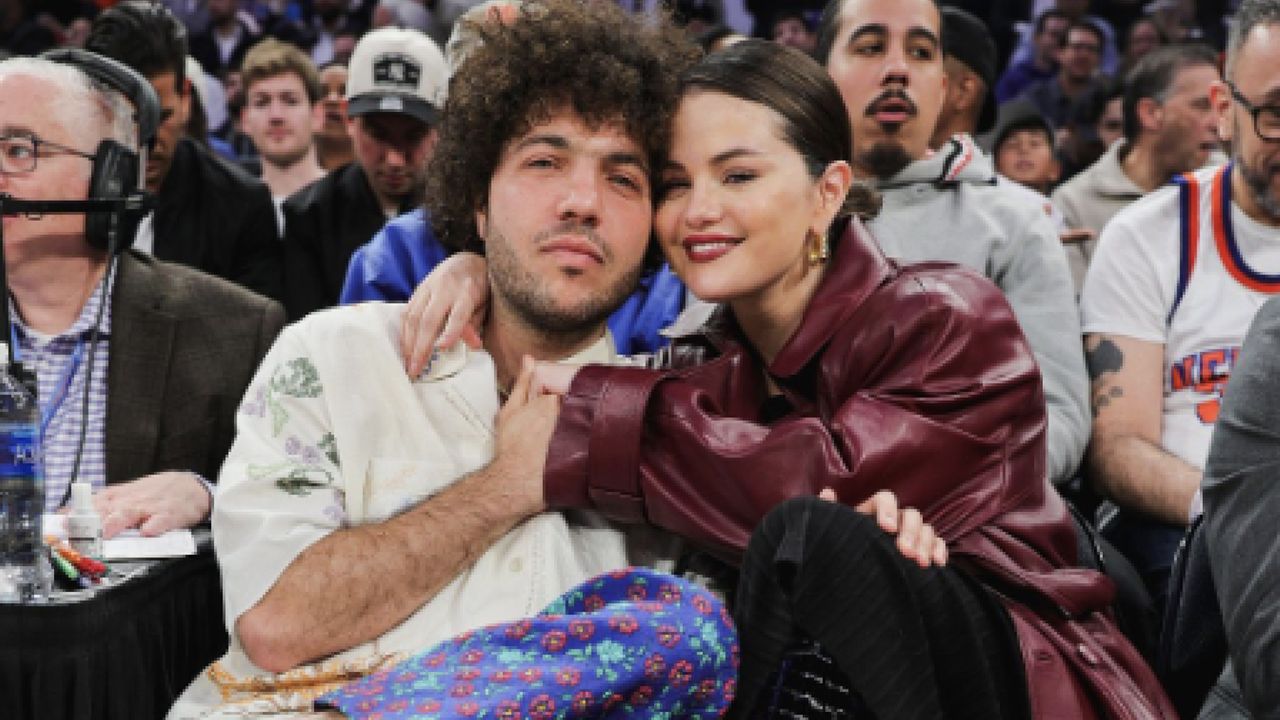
(819, 249)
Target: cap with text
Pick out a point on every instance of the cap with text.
(398, 71)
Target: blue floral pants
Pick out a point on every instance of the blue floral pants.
(629, 644)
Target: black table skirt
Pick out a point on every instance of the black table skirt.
(127, 652)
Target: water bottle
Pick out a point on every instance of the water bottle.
(24, 573)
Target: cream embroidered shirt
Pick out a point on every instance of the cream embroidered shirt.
(332, 433)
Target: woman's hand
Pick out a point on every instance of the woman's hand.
(916, 538)
(525, 424)
(554, 378)
(448, 305)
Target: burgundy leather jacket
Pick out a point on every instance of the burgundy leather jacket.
(916, 379)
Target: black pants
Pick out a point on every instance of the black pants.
(913, 643)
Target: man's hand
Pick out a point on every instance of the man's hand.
(525, 424)
(449, 305)
(916, 538)
(154, 504)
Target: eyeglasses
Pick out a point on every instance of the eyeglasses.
(1266, 118)
(18, 153)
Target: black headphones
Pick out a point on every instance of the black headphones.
(114, 195)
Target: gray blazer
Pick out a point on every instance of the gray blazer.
(184, 346)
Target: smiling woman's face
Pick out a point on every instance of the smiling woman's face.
(737, 203)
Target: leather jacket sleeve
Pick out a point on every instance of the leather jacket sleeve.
(938, 400)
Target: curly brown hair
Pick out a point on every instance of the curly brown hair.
(594, 57)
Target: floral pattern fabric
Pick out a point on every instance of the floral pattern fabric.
(629, 644)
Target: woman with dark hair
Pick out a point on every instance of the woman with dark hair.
(828, 367)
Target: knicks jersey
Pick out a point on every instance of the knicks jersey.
(1228, 266)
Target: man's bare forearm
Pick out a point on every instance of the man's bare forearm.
(1125, 458)
(357, 583)
(1137, 474)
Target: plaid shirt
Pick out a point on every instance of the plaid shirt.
(62, 408)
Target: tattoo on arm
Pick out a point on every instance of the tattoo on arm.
(1102, 357)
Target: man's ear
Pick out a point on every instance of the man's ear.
(1221, 101)
(1150, 114)
(482, 223)
(433, 137)
(184, 100)
(317, 118)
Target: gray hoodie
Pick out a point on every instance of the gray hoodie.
(948, 207)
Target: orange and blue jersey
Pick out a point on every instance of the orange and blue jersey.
(1217, 295)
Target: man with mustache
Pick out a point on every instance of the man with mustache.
(395, 88)
(1173, 287)
(886, 57)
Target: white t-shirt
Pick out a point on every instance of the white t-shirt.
(1133, 285)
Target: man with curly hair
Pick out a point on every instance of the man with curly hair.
(363, 514)
(408, 248)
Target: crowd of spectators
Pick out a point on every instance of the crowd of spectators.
(1109, 166)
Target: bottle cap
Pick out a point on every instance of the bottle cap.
(82, 496)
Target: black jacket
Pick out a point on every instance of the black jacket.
(324, 223)
(204, 48)
(216, 218)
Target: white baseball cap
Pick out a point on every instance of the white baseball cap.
(399, 71)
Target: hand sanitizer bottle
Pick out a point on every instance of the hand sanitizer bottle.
(84, 525)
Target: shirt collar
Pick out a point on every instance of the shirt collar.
(84, 323)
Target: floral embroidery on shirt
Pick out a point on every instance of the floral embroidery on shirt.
(297, 378)
(329, 446)
(292, 478)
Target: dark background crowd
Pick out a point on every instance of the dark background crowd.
(1066, 59)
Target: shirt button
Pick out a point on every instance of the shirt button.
(517, 565)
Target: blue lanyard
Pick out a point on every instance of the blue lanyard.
(63, 388)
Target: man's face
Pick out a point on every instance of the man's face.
(333, 104)
(567, 223)
(1110, 127)
(174, 106)
(1188, 125)
(1049, 42)
(1081, 54)
(278, 117)
(792, 32)
(222, 10)
(393, 149)
(1256, 160)
(1026, 157)
(32, 107)
(1143, 38)
(887, 62)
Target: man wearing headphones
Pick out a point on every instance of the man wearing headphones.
(140, 363)
(209, 214)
